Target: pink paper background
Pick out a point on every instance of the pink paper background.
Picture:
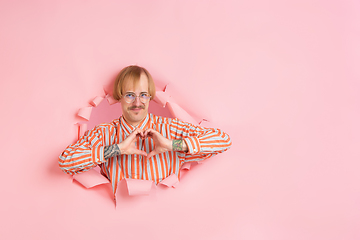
(281, 77)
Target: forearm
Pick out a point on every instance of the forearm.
(111, 151)
(78, 158)
(214, 141)
(179, 145)
(200, 140)
(88, 151)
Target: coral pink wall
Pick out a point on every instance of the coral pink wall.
(281, 77)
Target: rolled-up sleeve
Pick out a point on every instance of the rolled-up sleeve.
(88, 151)
(202, 142)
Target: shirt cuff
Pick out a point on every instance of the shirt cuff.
(193, 145)
(98, 155)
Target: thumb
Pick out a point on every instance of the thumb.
(139, 152)
(151, 154)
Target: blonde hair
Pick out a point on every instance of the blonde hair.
(133, 73)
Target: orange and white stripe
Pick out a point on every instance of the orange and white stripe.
(88, 152)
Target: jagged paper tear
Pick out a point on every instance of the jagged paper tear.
(135, 187)
(164, 99)
(85, 112)
(91, 178)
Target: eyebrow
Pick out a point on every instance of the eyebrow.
(134, 93)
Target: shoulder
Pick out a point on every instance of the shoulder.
(156, 120)
(173, 123)
(112, 126)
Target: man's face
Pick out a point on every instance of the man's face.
(136, 111)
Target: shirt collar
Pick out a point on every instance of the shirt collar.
(128, 128)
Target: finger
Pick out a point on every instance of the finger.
(132, 135)
(133, 141)
(139, 152)
(140, 132)
(147, 132)
(151, 132)
(136, 133)
(152, 153)
(140, 135)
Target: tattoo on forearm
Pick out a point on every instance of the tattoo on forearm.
(112, 150)
(177, 145)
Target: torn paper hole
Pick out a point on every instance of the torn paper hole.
(170, 181)
(85, 112)
(96, 101)
(135, 187)
(111, 100)
(82, 129)
(91, 178)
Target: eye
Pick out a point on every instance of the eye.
(129, 95)
(144, 95)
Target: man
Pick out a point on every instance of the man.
(140, 145)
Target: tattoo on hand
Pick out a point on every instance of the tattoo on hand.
(112, 150)
(177, 145)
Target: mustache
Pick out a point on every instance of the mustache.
(133, 107)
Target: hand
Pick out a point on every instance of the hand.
(128, 145)
(162, 144)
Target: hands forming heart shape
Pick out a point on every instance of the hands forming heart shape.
(162, 144)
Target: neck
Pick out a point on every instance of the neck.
(132, 123)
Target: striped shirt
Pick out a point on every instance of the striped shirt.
(88, 151)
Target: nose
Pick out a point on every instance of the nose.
(137, 101)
